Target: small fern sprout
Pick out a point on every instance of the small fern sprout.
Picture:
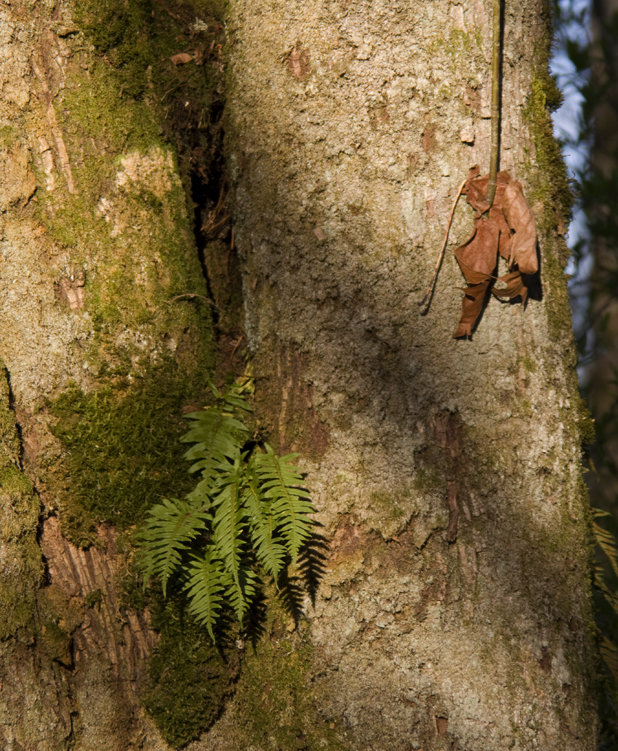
(249, 517)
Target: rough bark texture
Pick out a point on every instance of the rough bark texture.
(350, 126)
(95, 244)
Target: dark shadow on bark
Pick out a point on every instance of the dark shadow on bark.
(509, 566)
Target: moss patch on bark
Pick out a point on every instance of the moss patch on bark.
(21, 565)
(189, 678)
(276, 705)
(122, 449)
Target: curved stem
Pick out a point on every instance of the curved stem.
(429, 293)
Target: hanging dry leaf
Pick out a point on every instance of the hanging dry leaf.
(523, 228)
(506, 229)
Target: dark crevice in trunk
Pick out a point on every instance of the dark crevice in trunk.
(200, 198)
(12, 409)
(194, 124)
(214, 240)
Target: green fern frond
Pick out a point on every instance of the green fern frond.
(606, 540)
(204, 587)
(268, 546)
(215, 436)
(248, 515)
(282, 482)
(229, 521)
(170, 527)
(240, 592)
(202, 493)
(235, 401)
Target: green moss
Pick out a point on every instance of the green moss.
(189, 679)
(18, 584)
(387, 506)
(94, 598)
(427, 480)
(135, 42)
(550, 192)
(22, 567)
(59, 615)
(549, 178)
(9, 437)
(128, 101)
(128, 222)
(551, 184)
(121, 448)
(277, 704)
(9, 135)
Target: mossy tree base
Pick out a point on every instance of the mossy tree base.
(107, 337)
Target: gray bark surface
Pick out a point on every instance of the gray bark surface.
(351, 125)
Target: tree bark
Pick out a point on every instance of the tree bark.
(350, 126)
(96, 244)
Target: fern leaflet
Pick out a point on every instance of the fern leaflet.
(281, 482)
(169, 529)
(229, 521)
(269, 546)
(204, 587)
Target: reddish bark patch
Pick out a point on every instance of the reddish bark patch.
(294, 422)
(441, 725)
(347, 539)
(428, 139)
(119, 638)
(297, 61)
(448, 431)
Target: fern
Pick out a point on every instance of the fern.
(249, 517)
(605, 577)
(205, 590)
(228, 539)
(268, 545)
(170, 528)
(281, 484)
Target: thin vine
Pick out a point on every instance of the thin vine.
(496, 110)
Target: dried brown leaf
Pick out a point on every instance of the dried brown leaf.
(513, 287)
(523, 228)
(507, 229)
(471, 306)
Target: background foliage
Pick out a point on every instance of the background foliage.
(587, 35)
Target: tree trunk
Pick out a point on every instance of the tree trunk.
(350, 127)
(454, 610)
(101, 356)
